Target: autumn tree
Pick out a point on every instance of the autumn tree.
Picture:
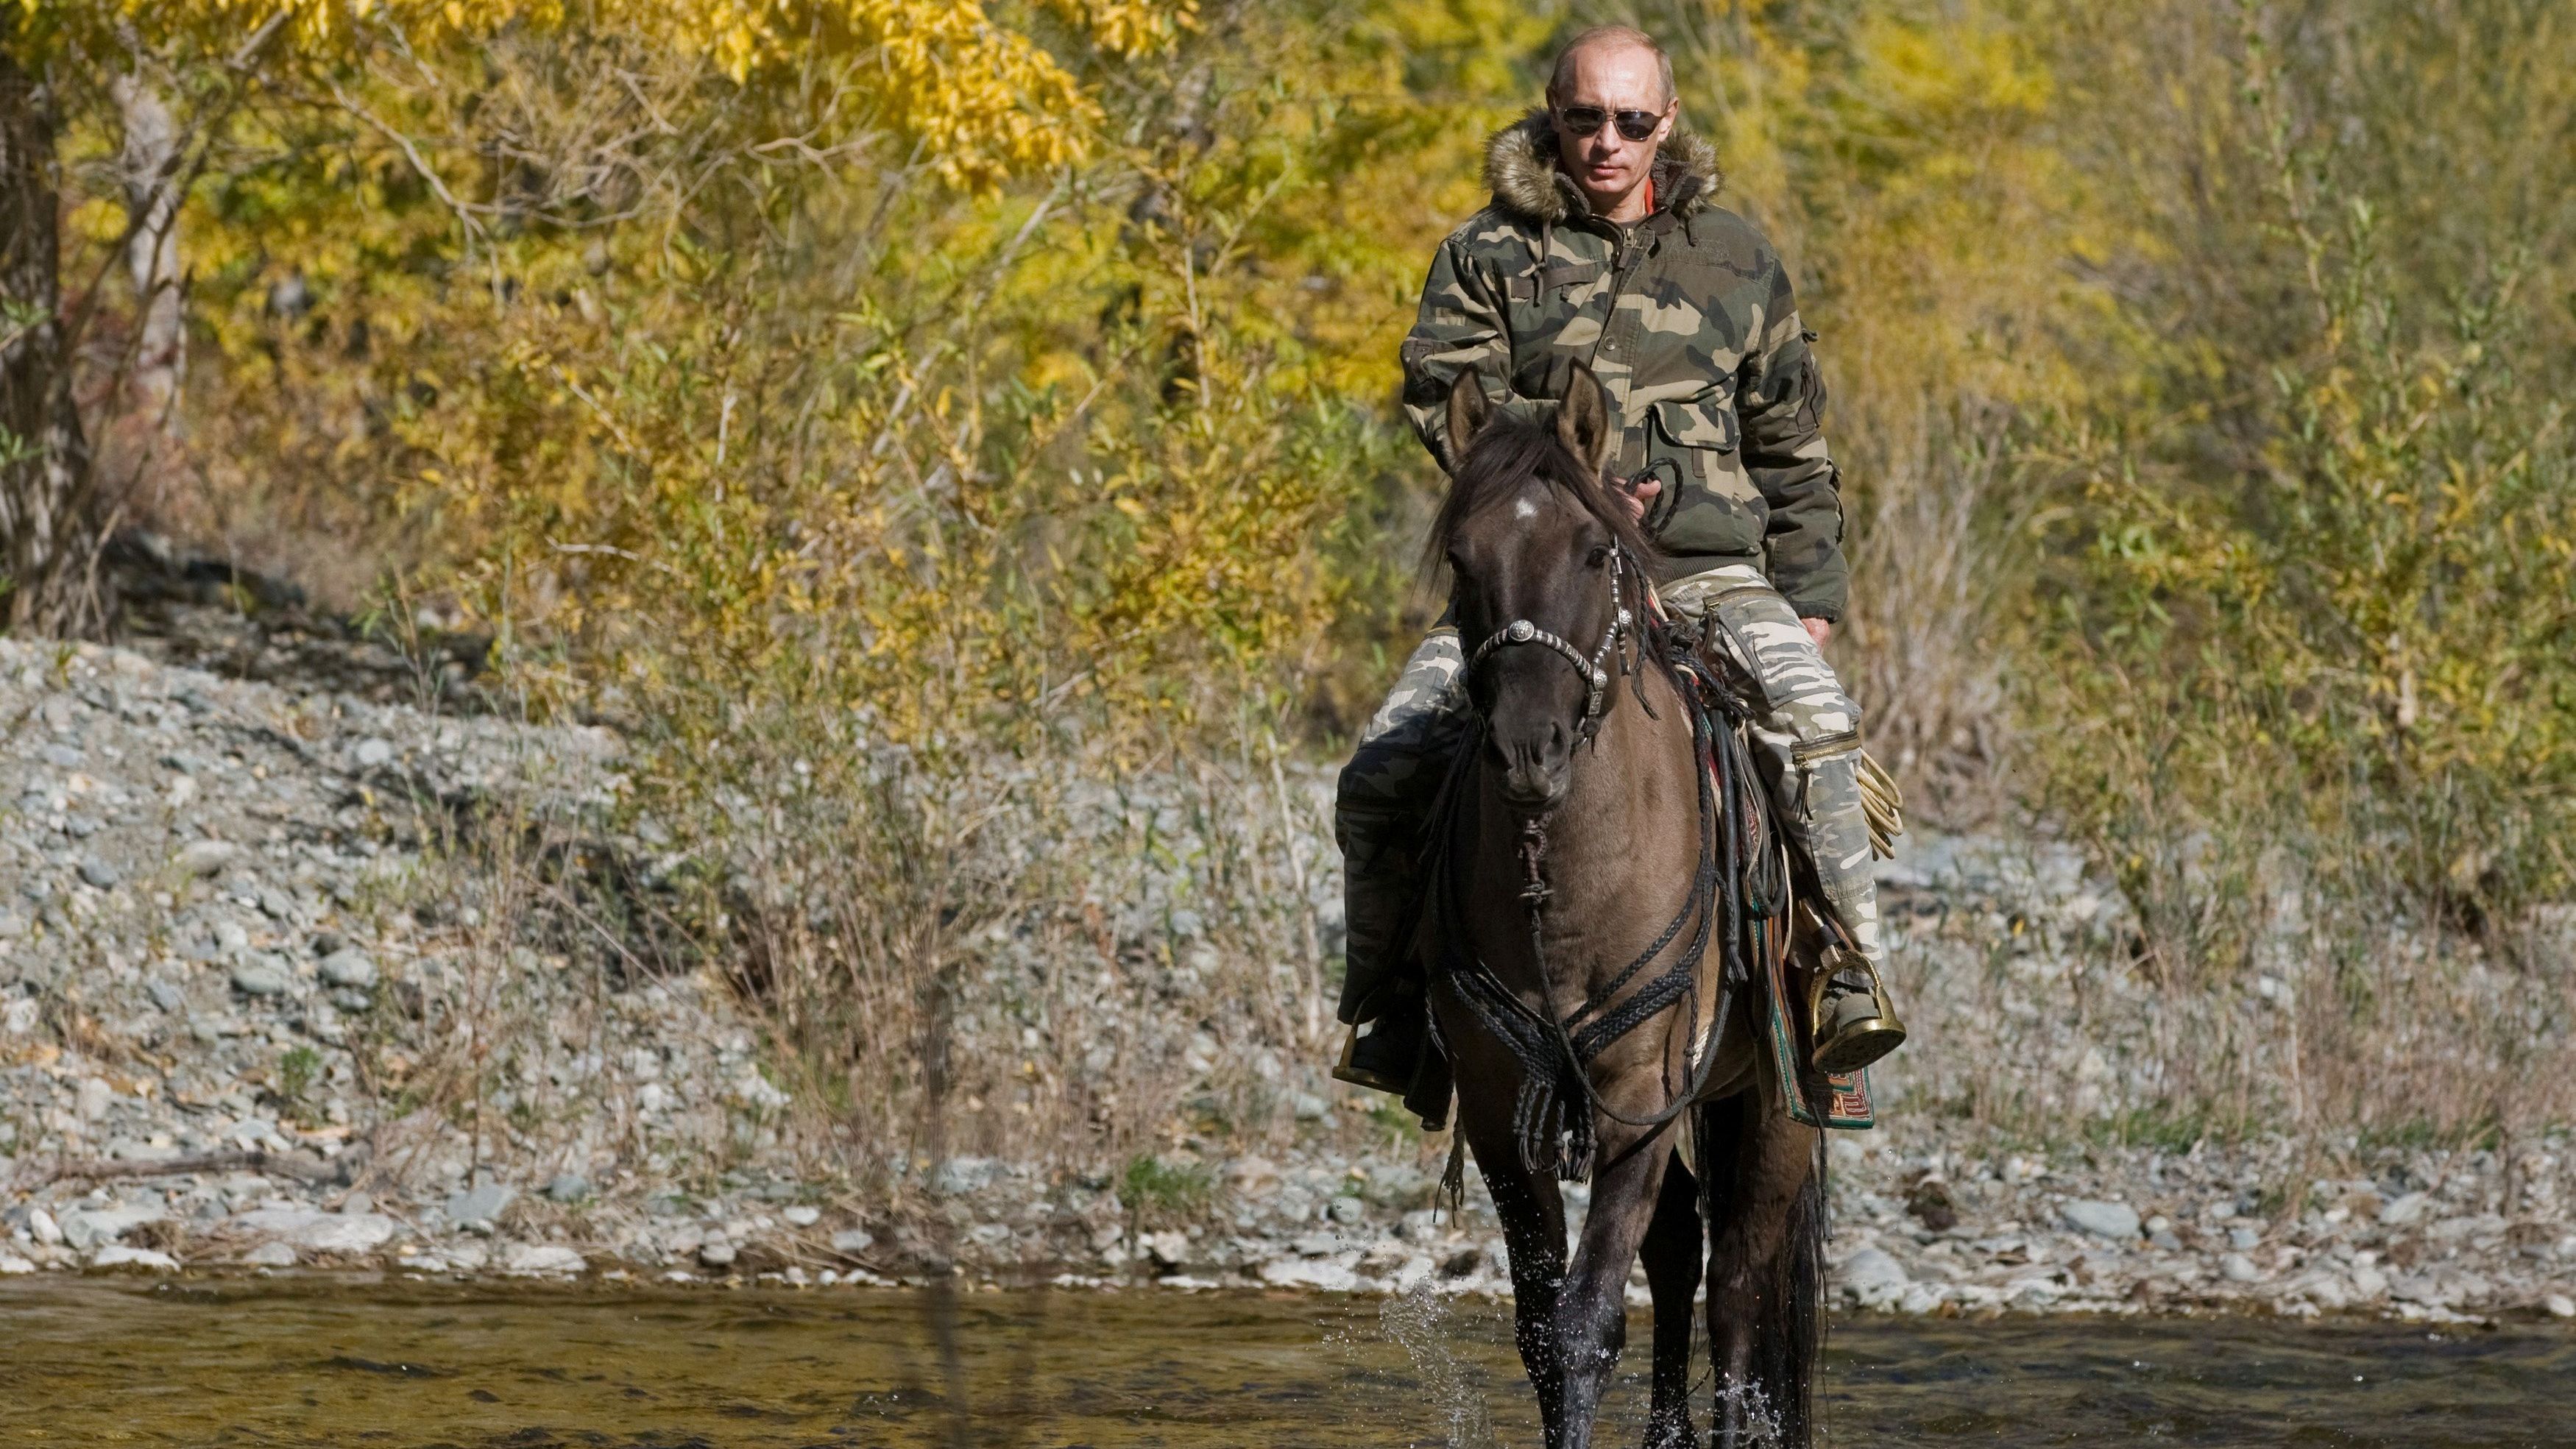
(980, 99)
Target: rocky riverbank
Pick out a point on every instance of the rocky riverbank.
(249, 952)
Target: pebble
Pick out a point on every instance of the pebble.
(568, 1187)
(802, 1215)
(372, 752)
(1872, 1277)
(2559, 1305)
(271, 1255)
(118, 1255)
(207, 857)
(259, 977)
(320, 1232)
(100, 874)
(2237, 1268)
(853, 1241)
(2114, 1220)
(349, 967)
(480, 1204)
(529, 1260)
(717, 1254)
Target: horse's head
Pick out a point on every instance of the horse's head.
(1546, 578)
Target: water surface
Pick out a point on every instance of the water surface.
(299, 1361)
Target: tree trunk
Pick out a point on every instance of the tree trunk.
(49, 532)
(149, 162)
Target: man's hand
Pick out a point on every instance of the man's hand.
(1639, 494)
(1819, 630)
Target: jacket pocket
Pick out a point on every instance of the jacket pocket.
(1714, 512)
(1693, 427)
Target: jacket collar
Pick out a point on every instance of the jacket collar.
(1520, 166)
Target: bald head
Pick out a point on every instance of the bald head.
(1603, 41)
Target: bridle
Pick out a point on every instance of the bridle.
(1596, 677)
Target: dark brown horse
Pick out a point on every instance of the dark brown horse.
(1587, 939)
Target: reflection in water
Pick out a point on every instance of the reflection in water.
(315, 1362)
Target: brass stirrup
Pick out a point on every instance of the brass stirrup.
(1349, 1070)
(1847, 1046)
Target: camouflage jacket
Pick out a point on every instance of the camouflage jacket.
(1685, 316)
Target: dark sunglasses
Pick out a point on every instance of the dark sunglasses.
(1585, 121)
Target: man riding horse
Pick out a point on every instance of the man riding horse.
(1602, 247)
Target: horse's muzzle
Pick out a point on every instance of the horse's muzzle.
(1535, 771)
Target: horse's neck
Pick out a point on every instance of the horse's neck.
(1622, 849)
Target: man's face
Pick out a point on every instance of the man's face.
(1610, 79)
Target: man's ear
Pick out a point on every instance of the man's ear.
(1583, 420)
(1468, 412)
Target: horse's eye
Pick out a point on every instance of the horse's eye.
(1600, 555)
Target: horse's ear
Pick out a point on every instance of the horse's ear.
(1468, 411)
(1583, 420)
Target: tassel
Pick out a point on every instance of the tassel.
(1453, 1179)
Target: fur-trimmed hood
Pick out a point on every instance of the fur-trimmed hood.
(1520, 167)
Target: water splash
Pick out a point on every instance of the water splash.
(1761, 1421)
(1423, 1324)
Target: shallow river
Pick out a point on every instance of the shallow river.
(316, 1362)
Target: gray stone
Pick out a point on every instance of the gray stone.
(2244, 1240)
(99, 873)
(2237, 1268)
(259, 976)
(480, 1204)
(144, 1260)
(717, 1254)
(802, 1215)
(373, 751)
(1322, 1274)
(2398, 1212)
(86, 1228)
(1169, 1251)
(961, 1175)
(271, 1255)
(349, 967)
(165, 995)
(207, 857)
(853, 1241)
(2558, 1305)
(1310, 1108)
(1346, 1210)
(2114, 1220)
(1872, 1277)
(533, 1260)
(1397, 1185)
(568, 1187)
(319, 1232)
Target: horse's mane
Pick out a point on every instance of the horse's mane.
(1508, 453)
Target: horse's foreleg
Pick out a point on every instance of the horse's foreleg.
(1765, 1265)
(1533, 1218)
(1592, 1312)
(1672, 1254)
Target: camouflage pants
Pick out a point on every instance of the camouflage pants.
(1806, 737)
(1805, 733)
